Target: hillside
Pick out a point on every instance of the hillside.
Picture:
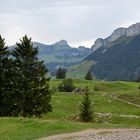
(79, 70)
(61, 52)
(118, 57)
(119, 62)
(109, 112)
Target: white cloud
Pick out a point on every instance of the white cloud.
(86, 43)
(78, 21)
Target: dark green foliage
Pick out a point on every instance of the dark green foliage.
(66, 86)
(6, 83)
(32, 96)
(3, 71)
(86, 111)
(88, 76)
(4, 53)
(96, 88)
(138, 80)
(61, 73)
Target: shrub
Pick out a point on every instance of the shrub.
(96, 88)
(66, 86)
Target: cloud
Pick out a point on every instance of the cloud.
(78, 21)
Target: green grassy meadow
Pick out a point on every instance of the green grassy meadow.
(108, 112)
(79, 70)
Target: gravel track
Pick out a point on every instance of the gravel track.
(99, 134)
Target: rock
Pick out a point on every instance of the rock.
(132, 30)
(98, 44)
(62, 43)
(117, 34)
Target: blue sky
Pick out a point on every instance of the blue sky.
(79, 22)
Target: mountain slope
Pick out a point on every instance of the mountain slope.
(116, 57)
(79, 70)
(119, 62)
(61, 52)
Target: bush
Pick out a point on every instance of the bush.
(66, 86)
(96, 88)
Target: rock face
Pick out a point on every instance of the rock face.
(61, 43)
(132, 30)
(98, 44)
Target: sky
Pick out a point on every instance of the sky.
(80, 22)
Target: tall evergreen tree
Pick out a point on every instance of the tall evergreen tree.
(5, 80)
(61, 73)
(3, 61)
(31, 84)
(88, 76)
(86, 112)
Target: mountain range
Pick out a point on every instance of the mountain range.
(59, 54)
(116, 57)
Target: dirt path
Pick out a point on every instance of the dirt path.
(121, 100)
(99, 134)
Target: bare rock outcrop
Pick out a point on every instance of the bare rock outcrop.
(132, 30)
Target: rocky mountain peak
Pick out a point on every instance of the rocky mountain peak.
(132, 30)
(62, 43)
(98, 43)
(82, 48)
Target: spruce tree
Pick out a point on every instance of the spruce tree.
(61, 73)
(86, 111)
(88, 76)
(32, 87)
(4, 53)
(5, 80)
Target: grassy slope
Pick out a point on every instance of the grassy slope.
(79, 70)
(65, 112)
(28, 129)
(52, 58)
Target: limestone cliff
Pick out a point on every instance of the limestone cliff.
(132, 30)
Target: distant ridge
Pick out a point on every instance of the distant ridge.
(131, 31)
(60, 54)
(117, 57)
